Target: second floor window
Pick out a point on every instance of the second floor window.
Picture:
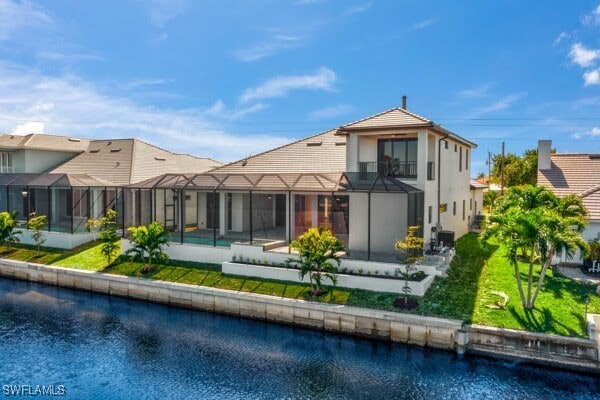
(5, 162)
(398, 157)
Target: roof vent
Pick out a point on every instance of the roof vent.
(340, 143)
(74, 140)
(594, 156)
(160, 159)
(94, 150)
(115, 150)
(404, 98)
(312, 144)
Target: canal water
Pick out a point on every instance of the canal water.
(97, 347)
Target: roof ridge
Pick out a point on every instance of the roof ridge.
(589, 191)
(274, 149)
(387, 111)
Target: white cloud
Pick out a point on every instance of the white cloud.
(308, 2)
(279, 86)
(268, 47)
(592, 18)
(361, 8)
(423, 24)
(65, 57)
(592, 77)
(562, 36)
(499, 105)
(136, 83)
(331, 112)
(594, 132)
(68, 105)
(582, 56)
(28, 127)
(163, 11)
(16, 15)
(480, 91)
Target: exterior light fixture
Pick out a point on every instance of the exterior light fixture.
(24, 193)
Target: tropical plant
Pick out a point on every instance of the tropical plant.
(107, 233)
(411, 251)
(594, 249)
(489, 199)
(318, 249)
(148, 244)
(533, 221)
(8, 233)
(36, 223)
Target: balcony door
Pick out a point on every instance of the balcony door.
(398, 157)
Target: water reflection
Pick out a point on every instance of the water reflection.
(106, 347)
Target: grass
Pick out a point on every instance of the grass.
(465, 294)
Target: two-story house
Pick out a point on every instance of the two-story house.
(366, 181)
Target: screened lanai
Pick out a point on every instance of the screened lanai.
(220, 209)
(67, 200)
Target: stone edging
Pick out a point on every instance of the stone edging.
(571, 353)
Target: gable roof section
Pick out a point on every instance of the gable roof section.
(324, 152)
(45, 142)
(126, 161)
(399, 118)
(575, 174)
(475, 184)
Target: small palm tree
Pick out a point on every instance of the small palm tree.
(148, 244)
(318, 250)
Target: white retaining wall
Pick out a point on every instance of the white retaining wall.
(346, 281)
(58, 240)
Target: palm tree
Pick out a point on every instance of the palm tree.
(8, 232)
(540, 225)
(148, 244)
(317, 248)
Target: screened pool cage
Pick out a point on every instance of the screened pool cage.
(220, 209)
(259, 209)
(67, 200)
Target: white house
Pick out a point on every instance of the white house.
(366, 181)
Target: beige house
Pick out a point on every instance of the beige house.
(576, 174)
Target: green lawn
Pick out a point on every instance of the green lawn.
(465, 294)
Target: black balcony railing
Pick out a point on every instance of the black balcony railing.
(392, 168)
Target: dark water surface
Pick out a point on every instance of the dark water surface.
(111, 348)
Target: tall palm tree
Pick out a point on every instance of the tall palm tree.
(540, 225)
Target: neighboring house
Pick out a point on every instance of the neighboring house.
(573, 174)
(36, 153)
(476, 200)
(367, 181)
(71, 180)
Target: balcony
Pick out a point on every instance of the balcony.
(392, 168)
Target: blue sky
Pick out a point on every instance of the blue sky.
(226, 79)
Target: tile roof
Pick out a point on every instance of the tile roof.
(125, 161)
(475, 184)
(575, 174)
(324, 152)
(46, 142)
(393, 117)
(399, 118)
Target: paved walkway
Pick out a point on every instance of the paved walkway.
(576, 274)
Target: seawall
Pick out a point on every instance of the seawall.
(440, 333)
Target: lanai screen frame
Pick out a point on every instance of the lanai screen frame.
(339, 183)
(27, 182)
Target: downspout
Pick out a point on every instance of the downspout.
(439, 183)
(289, 220)
(250, 216)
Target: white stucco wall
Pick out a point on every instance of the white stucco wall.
(38, 161)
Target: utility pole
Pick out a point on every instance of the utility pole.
(489, 164)
(502, 172)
